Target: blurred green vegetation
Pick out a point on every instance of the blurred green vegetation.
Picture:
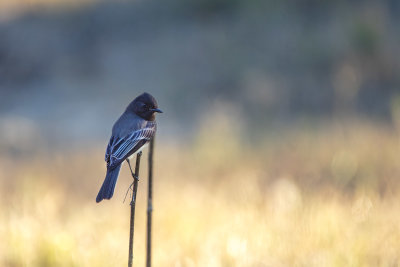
(277, 60)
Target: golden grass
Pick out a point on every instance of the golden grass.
(321, 197)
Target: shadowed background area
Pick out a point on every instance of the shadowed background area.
(278, 145)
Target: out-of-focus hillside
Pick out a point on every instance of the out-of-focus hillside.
(71, 71)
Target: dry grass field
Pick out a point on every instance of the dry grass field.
(325, 195)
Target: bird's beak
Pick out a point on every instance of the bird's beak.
(157, 110)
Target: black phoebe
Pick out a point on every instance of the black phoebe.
(133, 129)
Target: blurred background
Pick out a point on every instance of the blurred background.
(278, 145)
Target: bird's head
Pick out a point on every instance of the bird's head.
(145, 106)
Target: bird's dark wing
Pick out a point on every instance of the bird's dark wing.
(119, 149)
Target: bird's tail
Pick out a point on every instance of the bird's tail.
(107, 189)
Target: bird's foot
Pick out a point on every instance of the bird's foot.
(130, 188)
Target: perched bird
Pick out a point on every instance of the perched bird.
(130, 133)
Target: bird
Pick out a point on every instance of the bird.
(134, 129)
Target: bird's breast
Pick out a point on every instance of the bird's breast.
(139, 150)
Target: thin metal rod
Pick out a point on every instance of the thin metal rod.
(133, 204)
(149, 204)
